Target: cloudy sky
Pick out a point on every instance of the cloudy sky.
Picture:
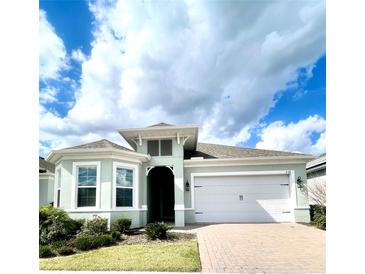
(249, 73)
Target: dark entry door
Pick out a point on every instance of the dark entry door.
(161, 195)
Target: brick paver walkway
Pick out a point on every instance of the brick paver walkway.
(262, 248)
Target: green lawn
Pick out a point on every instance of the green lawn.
(179, 257)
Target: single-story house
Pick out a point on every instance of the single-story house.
(46, 182)
(170, 176)
(316, 174)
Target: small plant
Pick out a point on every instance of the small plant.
(116, 235)
(95, 226)
(84, 242)
(157, 230)
(65, 250)
(122, 225)
(103, 240)
(319, 217)
(45, 251)
(58, 244)
(87, 242)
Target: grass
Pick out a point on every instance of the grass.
(172, 257)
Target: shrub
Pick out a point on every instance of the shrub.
(103, 240)
(319, 217)
(84, 242)
(122, 225)
(95, 226)
(54, 225)
(45, 212)
(116, 235)
(87, 242)
(58, 244)
(45, 251)
(65, 250)
(157, 230)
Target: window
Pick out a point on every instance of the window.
(153, 148)
(86, 186)
(166, 147)
(124, 187)
(58, 198)
(159, 147)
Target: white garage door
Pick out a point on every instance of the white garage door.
(263, 198)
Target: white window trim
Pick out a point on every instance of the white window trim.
(75, 167)
(135, 192)
(159, 147)
(58, 174)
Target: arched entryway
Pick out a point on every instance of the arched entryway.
(161, 194)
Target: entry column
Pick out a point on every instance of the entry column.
(179, 200)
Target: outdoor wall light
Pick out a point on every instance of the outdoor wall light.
(187, 186)
(300, 182)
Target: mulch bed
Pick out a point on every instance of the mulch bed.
(139, 237)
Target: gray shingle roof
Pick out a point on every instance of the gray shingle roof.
(45, 166)
(162, 124)
(210, 151)
(100, 144)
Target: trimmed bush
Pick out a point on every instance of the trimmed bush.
(45, 251)
(65, 250)
(319, 217)
(122, 225)
(116, 235)
(157, 230)
(54, 225)
(47, 211)
(103, 240)
(84, 242)
(95, 226)
(58, 244)
(87, 242)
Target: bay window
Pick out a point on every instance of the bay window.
(86, 180)
(124, 187)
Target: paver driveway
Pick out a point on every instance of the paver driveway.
(262, 248)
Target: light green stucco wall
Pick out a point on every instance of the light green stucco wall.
(46, 184)
(177, 162)
(301, 215)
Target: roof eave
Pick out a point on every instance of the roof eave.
(56, 154)
(272, 159)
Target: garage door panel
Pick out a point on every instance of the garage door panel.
(242, 199)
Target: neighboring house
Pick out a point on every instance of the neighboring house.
(170, 176)
(46, 182)
(316, 174)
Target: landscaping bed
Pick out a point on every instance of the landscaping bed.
(180, 256)
(139, 237)
(91, 245)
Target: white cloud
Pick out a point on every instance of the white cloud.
(296, 137)
(52, 52)
(78, 55)
(48, 95)
(216, 64)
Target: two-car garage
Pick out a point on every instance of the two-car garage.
(242, 197)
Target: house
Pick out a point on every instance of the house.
(170, 176)
(46, 182)
(316, 174)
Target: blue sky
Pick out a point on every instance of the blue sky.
(245, 79)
